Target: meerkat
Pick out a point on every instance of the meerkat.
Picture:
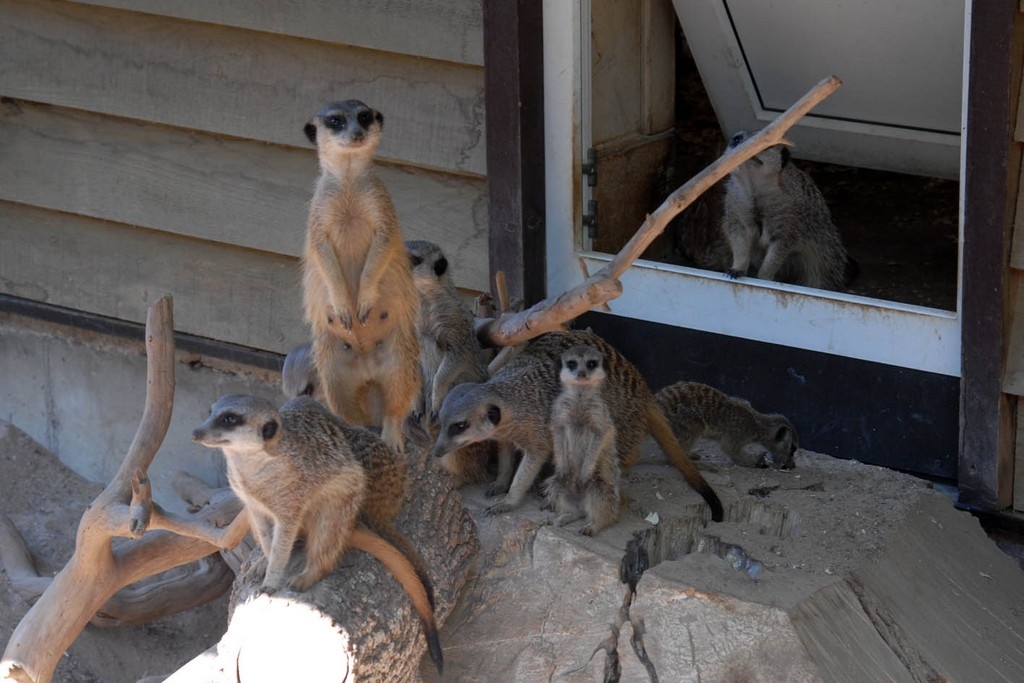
(586, 478)
(449, 354)
(514, 406)
(358, 292)
(778, 225)
(298, 376)
(298, 475)
(748, 437)
(449, 351)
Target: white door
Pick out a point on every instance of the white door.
(875, 330)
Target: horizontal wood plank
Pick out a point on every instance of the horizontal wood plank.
(248, 84)
(1018, 470)
(214, 188)
(1013, 371)
(1017, 240)
(450, 30)
(236, 295)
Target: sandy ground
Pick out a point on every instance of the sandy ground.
(791, 532)
(45, 501)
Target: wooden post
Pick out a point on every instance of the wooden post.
(986, 414)
(514, 97)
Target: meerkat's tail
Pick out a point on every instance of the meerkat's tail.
(399, 565)
(662, 433)
(392, 535)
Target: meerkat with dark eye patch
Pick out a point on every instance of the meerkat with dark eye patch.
(778, 225)
(303, 473)
(586, 478)
(449, 353)
(514, 406)
(298, 375)
(358, 292)
(750, 438)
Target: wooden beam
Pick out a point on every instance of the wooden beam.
(514, 97)
(986, 414)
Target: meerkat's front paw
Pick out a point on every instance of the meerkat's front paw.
(365, 307)
(498, 509)
(733, 274)
(336, 315)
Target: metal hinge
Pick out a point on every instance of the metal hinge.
(590, 219)
(590, 171)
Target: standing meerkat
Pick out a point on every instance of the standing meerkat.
(449, 352)
(358, 292)
(748, 437)
(586, 478)
(778, 225)
(298, 476)
(515, 406)
(298, 376)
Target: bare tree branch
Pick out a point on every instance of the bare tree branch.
(547, 315)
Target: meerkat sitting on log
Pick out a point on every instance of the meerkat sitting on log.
(748, 437)
(358, 292)
(515, 406)
(778, 225)
(586, 478)
(301, 473)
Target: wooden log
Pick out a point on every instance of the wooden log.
(358, 623)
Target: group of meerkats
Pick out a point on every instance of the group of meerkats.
(393, 345)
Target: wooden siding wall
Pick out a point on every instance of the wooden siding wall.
(156, 146)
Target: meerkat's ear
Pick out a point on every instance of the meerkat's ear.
(310, 130)
(494, 414)
(441, 267)
(379, 118)
(781, 433)
(784, 155)
(269, 430)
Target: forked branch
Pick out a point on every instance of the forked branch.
(598, 289)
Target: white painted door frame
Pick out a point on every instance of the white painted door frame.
(852, 326)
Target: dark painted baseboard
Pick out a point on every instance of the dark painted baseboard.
(265, 360)
(854, 409)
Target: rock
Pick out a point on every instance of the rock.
(834, 571)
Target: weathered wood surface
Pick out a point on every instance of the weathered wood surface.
(226, 190)
(437, 29)
(235, 295)
(1013, 372)
(633, 69)
(942, 598)
(1018, 472)
(991, 172)
(358, 621)
(260, 86)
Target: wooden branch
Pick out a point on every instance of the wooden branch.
(170, 592)
(17, 562)
(549, 314)
(97, 569)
